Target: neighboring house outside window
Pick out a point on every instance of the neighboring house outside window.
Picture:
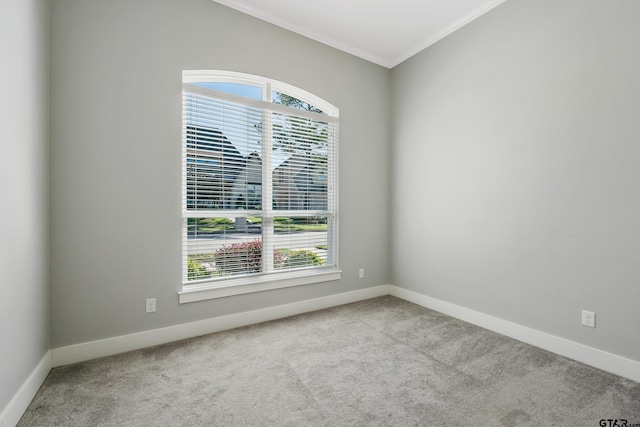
(259, 193)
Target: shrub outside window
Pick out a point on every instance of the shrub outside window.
(259, 185)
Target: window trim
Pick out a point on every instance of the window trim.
(268, 280)
(245, 285)
(220, 76)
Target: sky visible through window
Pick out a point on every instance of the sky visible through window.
(248, 91)
(245, 142)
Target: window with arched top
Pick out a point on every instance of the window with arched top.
(259, 185)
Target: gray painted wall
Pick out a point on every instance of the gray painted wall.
(24, 306)
(517, 169)
(115, 178)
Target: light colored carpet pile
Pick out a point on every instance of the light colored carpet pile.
(381, 362)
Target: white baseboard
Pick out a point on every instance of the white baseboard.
(14, 410)
(94, 349)
(109, 346)
(591, 356)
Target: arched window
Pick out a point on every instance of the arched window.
(259, 191)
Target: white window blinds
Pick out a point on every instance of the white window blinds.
(259, 183)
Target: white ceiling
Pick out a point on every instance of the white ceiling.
(385, 32)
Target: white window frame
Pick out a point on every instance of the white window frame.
(268, 280)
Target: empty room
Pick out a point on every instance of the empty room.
(238, 212)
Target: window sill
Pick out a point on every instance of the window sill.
(246, 285)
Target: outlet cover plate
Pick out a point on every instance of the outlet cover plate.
(151, 305)
(589, 318)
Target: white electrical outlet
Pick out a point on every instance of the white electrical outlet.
(151, 305)
(589, 318)
(361, 273)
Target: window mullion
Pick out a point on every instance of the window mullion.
(332, 199)
(267, 187)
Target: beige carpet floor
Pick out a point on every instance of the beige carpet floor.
(381, 362)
